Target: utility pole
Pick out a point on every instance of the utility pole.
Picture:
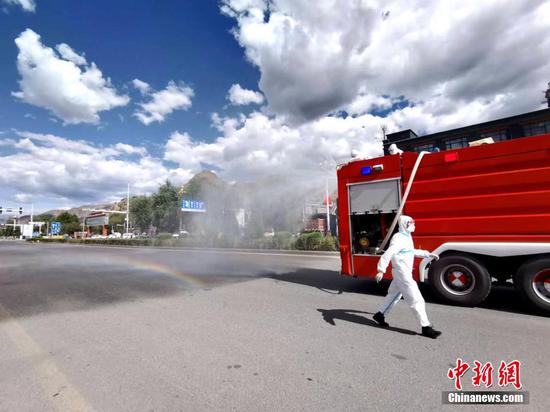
(128, 210)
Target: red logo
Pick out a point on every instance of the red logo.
(508, 373)
(483, 374)
(457, 373)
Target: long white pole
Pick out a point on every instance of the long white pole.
(128, 210)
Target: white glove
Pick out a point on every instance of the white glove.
(434, 256)
(379, 276)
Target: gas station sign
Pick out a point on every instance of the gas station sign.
(190, 205)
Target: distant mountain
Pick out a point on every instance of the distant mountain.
(80, 212)
(202, 183)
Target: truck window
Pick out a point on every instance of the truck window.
(374, 197)
(373, 206)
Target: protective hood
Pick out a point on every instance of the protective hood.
(406, 223)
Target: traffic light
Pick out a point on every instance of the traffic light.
(1, 210)
(20, 210)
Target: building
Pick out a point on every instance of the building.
(314, 214)
(315, 224)
(526, 124)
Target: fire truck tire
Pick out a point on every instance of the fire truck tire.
(460, 279)
(532, 281)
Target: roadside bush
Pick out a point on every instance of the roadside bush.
(315, 241)
(309, 241)
(281, 241)
(164, 236)
(165, 242)
(328, 243)
(186, 242)
(225, 241)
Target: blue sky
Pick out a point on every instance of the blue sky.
(154, 41)
(98, 94)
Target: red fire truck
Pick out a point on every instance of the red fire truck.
(485, 210)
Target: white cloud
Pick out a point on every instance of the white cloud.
(176, 96)
(76, 171)
(259, 145)
(23, 197)
(142, 86)
(7, 142)
(129, 149)
(58, 84)
(365, 103)
(318, 58)
(69, 54)
(27, 5)
(240, 97)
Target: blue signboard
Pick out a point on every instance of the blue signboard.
(190, 205)
(56, 228)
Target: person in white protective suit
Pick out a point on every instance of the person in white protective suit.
(401, 253)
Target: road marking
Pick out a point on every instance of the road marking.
(211, 251)
(51, 378)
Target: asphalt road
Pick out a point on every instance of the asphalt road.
(137, 329)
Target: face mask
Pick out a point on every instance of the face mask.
(411, 227)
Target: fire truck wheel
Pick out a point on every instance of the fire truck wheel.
(533, 282)
(460, 279)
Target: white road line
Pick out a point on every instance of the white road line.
(58, 390)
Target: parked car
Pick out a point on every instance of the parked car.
(181, 234)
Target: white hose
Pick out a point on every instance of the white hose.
(403, 200)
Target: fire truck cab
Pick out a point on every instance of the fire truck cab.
(485, 210)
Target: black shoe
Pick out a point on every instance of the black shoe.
(430, 332)
(379, 318)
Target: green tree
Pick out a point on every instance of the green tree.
(141, 212)
(165, 208)
(9, 231)
(116, 220)
(44, 218)
(70, 228)
(67, 217)
(69, 223)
